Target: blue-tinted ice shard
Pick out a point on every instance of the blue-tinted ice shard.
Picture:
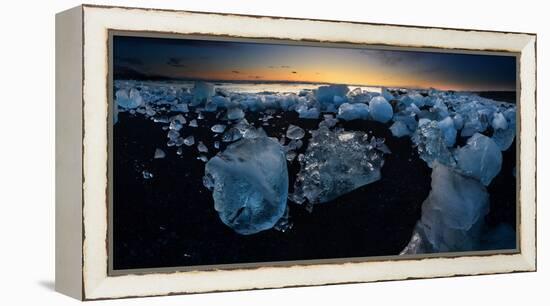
(337, 162)
(249, 182)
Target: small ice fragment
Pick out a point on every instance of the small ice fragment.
(159, 153)
(173, 135)
(399, 129)
(146, 174)
(202, 92)
(290, 155)
(295, 132)
(189, 141)
(235, 113)
(252, 132)
(329, 121)
(499, 122)
(202, 158)
(430, 143)
(129, 100)
(327, 94)
(218, 128)
(216, 144)
(182, 107)
(200, 116)
(354, 111)
(505, 138)
(201, 147)
(387, 94)
(193, 123)
(177, 122)
(233, 134)
(180, 141)
(448, 131)
(380, 110)
(179, 151)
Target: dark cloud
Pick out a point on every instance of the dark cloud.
(236, 71)
(129, 61)
(294, 72)
(285, 67)
(176, 62)
(390, 58)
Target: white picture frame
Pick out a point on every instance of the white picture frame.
(82, 69)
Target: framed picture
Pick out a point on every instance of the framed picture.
(200, 152)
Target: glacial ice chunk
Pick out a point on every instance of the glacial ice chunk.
(295, 132)
(232, 134)
(218, 128)
(326, 94)
(189, 141)
(307, 113)
(159, 153)
(380, 110)
(480, 158)
(235, 113)
(430, 143)
(505, 137)
(399, 129)
(249, 183)
(452, 214)
(448, 131)
(202, 147)
(335, 163)
(193, 123)
(354, 111)
(177, 122)
(499, 122)
(129, 100)
(202, 93)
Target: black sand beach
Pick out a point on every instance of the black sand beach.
(170, 221)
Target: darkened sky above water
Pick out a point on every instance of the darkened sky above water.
(138, 57)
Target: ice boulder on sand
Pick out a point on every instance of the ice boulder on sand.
(128, 100)
(380, 110)
(202, 93)
(249, 183)
(327, 94)
(337, 162)
(354, 111)
(480, 158)
(448, 131)
(505, 137)
(431, 144)
(452, 215)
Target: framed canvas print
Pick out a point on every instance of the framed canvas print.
(200, 152)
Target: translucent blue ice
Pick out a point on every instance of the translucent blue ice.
(452, 214)
(354, 111)
(380, 110)
(480, 158)
(128, 100)
(249, 183)
(337, 162)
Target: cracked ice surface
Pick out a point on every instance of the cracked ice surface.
(335, 163)
(249, 182)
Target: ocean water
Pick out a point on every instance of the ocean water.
(260, 87)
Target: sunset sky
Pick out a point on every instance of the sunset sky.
(137, 57)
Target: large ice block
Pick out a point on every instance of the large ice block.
(249, 183)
